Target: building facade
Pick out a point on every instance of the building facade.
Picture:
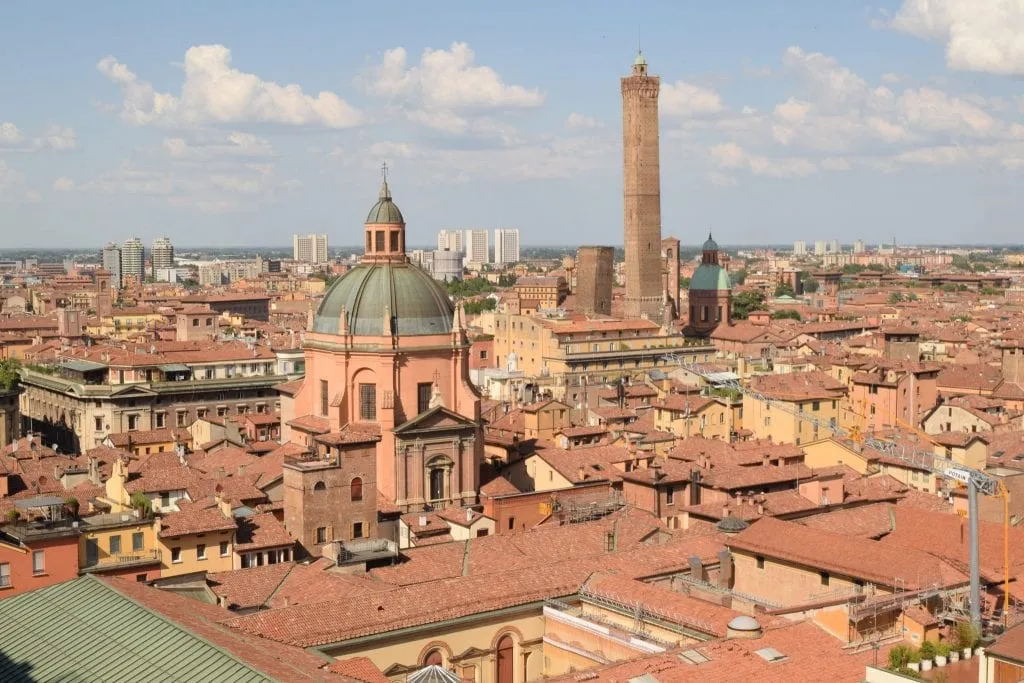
(450, 240)
(595, 275)
(478, 248)
(642, 193)
(162, 255)
(311, 248)
(388, 357)
(133, 260)
(710, 299)
(112, 264)
(506, 246)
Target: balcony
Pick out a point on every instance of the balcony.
(120, 560)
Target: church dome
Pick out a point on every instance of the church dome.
(417, 304)
(710, 277)
(385, 211)
(710, 244)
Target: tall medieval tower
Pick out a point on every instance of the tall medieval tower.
(642, 193)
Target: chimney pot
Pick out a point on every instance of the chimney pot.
(423, 520)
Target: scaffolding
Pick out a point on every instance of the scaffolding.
(575, 512)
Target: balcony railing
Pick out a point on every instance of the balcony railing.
(121, 560)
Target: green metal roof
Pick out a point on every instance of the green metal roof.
(416, 301)
(83, 365)
(710, 278)
(174, 367)
(84, 630)
(385, 211)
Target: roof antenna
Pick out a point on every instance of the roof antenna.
(639, 50)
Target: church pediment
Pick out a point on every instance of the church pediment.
(437, 419)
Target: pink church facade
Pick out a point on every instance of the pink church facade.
(387, 361)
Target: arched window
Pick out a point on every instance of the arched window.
(319, 486)
(504, 663)
(434, 657)
(357, 489)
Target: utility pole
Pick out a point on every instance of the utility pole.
(972, 520)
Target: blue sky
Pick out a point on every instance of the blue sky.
(238, 123)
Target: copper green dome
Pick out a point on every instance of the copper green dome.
(710, 278)
(710, 244)
(385, 211)
(416, 303)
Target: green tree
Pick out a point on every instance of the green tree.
(786, 314)
(853, 268)
(507, 280)
(745, 302)
(784, 289)
(876, 266)
(962, 262)
(480, 305)
(810, 284)
(9, 376)
(739, 277)
(461, 289)
(895, 298)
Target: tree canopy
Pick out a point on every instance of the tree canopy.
(9, 376)
(745, 302)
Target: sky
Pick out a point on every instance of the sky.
(239, 123)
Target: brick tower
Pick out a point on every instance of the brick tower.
(642, 193)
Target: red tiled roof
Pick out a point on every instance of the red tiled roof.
(195, 518)
(873, 561)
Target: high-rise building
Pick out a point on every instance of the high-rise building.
(450, 240)
(112, 264)
(834, 247)
(311, 248)
(506, 246)
(595, 273)
(642, 192)
(133, 260)
(820, 247)
(478, 248)
(162, 255)
(799, 248)
(858, 247)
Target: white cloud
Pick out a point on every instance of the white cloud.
(10, 135)
(681, 99)
(830, 82)
(891, 78)
(719, 179)
(935, 111)
(63, 184)
(236, 144)
(576, 120)
(447, 79)
(934, 156)
(12, 187)
(979, 35)
(732, 156)
(836, 164)
(215, 92)
(57, 138)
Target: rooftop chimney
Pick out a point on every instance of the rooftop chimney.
(423, 520)
(469, 515)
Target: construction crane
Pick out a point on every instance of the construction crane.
(976, 481)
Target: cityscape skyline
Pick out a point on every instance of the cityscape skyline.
(787, 131)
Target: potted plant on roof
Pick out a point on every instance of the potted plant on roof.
(140, 504)
(927, 653)
(967, 638)
(71, 507)
(954, 654)
(914, 660)
(941, 654)
(13, 516)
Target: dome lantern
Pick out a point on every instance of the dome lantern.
(384, 228)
